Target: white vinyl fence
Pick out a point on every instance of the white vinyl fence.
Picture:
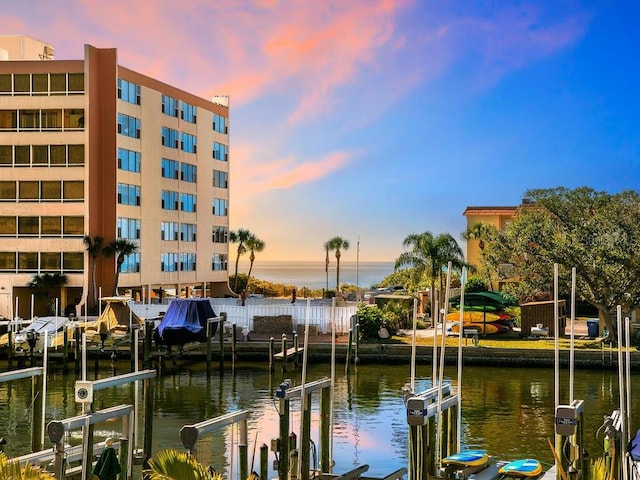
(320, 312)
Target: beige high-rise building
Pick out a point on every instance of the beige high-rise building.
(91, 149)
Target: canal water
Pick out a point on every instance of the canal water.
(507, 411)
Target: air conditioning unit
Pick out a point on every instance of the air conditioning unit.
(84, 391)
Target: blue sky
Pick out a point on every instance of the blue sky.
(374, 119)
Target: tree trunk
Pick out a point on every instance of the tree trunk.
(607, 314)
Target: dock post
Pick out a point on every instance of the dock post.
(284, 352)
(148, 337)
(65, 351)
(209, 340)
(294, 458)
(10, 348)
(305, 441)
(37, 425)
(356, 358)
(283, 453)
(132, 349)
(123, 454)
(348, 363)
(272, 367)
(325, 421)
(77, 335)
(222, 322)
(234, 355)
(295, 349)
(148, 416)
(243, 448)
(264, 461)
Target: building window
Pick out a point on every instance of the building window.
(188, 112)
(218, 262)
(50, 226)
(220, 235)
(220, 152)
(169, 168)
(220, 179)
(8, 226)
(131, 263)
(188, 262)
(188, 172)
(169, 137)
(128, 91)
(170, 106)
(220, 207)
(28, 226)
(219, 123)
(128, 160)
(188, 232)
(73, 226)
(169, 262)
(169, 231)
(128, 126)
(72, 262)
(50, 261)
(128, 194)
(8, 261)
(188, 143)
(169, 200)
(128, 228)
(27, 261)
(42, 84)
(187, 202)
(74, 191)
(8, 190)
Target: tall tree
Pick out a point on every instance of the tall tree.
(595, 232)
(337, 244)
(254, 244)
(427, 256)
(94, 248)
(483, 233)
(121, 248)
(47, 284)
(240, 236)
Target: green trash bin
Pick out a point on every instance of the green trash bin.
(592, 327)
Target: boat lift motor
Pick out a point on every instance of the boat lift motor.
(569, 427)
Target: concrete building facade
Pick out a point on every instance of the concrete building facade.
(89, 148)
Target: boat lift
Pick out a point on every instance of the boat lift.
(58, 428)
(37, 423)
(424, 411)
(282, 445)
(189, 435)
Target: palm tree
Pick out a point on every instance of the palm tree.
(428, 255)
(45, 284)
(254, 244)
(12, 469)
(121, 248)
(94, 248)
(241, 237)
(337, 244)
(170, 464)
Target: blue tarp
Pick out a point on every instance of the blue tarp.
(185, 321)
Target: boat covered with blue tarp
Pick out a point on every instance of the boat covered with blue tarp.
(185, 322)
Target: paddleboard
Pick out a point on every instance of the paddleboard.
(467, 458)
(528, 467)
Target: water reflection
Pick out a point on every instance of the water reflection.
(508, 411)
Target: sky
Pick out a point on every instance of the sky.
(375, 119)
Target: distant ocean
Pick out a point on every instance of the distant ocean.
(312, 274)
